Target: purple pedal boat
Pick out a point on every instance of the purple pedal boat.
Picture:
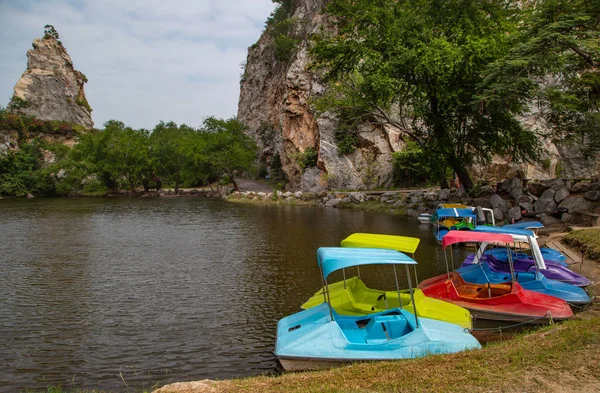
(549, 269)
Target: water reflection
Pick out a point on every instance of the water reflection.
(109, 293)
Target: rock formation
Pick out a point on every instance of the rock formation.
(274, 103)
(50, 88)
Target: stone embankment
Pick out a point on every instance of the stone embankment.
(554, 202)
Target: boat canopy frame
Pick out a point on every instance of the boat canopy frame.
(331, 259)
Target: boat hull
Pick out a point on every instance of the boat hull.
(312, 338)
(497, 302)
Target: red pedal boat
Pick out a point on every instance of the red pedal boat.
(507, 301)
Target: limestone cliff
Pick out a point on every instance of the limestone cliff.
(274, 103)
(51, 88)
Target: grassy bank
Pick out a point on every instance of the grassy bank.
(563, 357)
(587, 240)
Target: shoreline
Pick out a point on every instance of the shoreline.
(570, 348)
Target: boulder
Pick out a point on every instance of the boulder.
(510, 184)
(580, 188)
(444, 194)
(347, 200)
(525, 199)
(498, 215)
(261, 195)
(460, 193)
(357, 197)
(536, 188)
(516, 192)
(543, 205)
(561, 195)
(398, 204)
(390, 195)
(498, 203)
(526, 206)
(576, 203)
(566, 218)
(415, 199)
(287, 194)
(416, 193)
(431, 196)
(333, 202)
(592, 195)
(548, 194)
(514, 214)
(298, 194)
(555, 184)
(486, 191)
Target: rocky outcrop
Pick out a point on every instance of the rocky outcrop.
(275, 99)
(51, 88)
(274, 103)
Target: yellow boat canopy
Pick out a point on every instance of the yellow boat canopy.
(372, 240)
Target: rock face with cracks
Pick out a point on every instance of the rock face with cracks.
(274, 102)
(51, 88)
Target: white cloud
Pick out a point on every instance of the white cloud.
(146, 60)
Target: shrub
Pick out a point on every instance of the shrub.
(307, 158)
(346, 141)
(95, 187)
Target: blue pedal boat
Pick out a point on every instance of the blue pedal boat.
(549, 254)
(321, 338)
(475, 270)
(453, 219)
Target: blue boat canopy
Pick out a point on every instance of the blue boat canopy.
(525, 225)
(504, 229)
(335, 258)
(455, 212)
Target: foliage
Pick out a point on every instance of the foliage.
(370, 170)
(555, 61)
(306, 158)
(118, 152)
(17, 103)
(50, 31)
(175, 155)
(82, 101)
(279, 26)
(413, 166)
(22, 172)
(226, 148)
(346, 141)
(417, 66)
(276, 167)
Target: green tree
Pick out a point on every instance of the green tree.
(23, 172)
(226, 148)
(116, 153)
(417, 65)
(174, 158)
(554, 61)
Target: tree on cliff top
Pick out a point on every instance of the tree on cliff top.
(418, 65)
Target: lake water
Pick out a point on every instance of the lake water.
(126, 293)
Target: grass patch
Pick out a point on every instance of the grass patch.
(566, 355)
(587, 240)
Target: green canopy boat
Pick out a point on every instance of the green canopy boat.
(352, 297)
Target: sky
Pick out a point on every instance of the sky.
(145, 60)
